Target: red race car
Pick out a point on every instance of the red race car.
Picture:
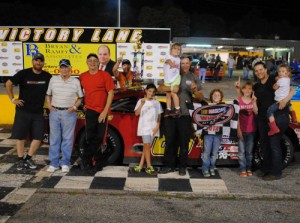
(123, 146)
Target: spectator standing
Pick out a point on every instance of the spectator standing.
(33, 83)
(217, 67)
(98, 95)
(245, 68)
(64, 96)
(178, 130)
(271, 66)
(230, 64)
(203, 67)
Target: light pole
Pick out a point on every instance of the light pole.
(119, 13)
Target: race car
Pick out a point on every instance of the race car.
(123, 146)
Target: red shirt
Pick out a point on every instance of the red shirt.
(246, 116)
(96, 88)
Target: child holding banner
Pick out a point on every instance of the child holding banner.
(246, 128)
(212, 140)
(149, 111)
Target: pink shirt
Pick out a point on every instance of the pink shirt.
(246, 116)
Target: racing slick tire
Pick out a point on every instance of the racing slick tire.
(287, 153)
(112, 153)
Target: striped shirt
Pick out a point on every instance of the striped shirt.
(64, 93)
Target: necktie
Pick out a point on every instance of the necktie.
(101, 67)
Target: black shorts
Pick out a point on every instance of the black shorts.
(28, 125)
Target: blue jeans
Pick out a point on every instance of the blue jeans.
(202, 74)
(230, 71)
(62, 126)
(274, 108)
(210, 154)
(245, 73)
(246, 151)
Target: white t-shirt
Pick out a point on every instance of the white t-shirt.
(284, 88)
(148, 117)
(171, 73)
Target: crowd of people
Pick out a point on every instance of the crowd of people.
(263, 107)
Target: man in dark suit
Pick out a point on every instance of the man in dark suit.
(105, 62)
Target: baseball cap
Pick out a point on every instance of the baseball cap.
(125, 61)
(38, 56)
(64, 62)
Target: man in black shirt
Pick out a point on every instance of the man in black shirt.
(33, 83)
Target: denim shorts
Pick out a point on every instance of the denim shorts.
(147, 139)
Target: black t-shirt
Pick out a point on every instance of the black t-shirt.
(265, 98)
(33, 89)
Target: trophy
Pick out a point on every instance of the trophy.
(138, 74)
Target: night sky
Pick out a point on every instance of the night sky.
(262, 18)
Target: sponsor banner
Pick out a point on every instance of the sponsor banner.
(83, 35)
(154, 55)
(54, 52)
(11, 58)
(18, 44)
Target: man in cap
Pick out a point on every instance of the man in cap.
(124, 78)
(33, 83)
(64, 95)
(98, 89)
(106, 64)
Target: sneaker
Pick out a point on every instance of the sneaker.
(65, 168)
(182, 171)
(151, 171)
(168, 113)
(30, 163)
(243, 174)
(166, 170)
(212, 172)
(206, 173)
(20, 165)
(177, 113)
(249, 173)
(137, 169)
(52, 169)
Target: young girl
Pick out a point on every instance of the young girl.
(149, 111)
(282, 89)
(212, 141)
(246, 128)
(172, 78)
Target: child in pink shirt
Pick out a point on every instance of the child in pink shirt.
(246, 128)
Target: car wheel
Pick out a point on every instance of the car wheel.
(112, 152)
(287, 153)
(115, 151)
